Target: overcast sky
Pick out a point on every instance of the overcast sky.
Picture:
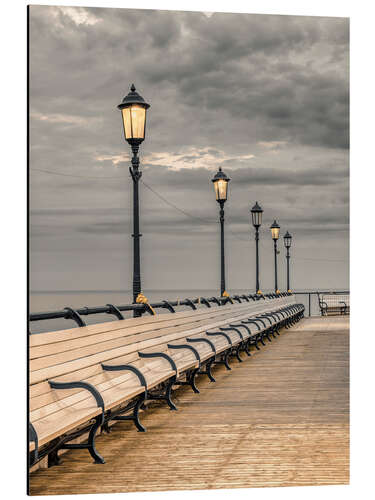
(264, 97)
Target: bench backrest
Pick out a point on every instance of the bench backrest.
(77, 353)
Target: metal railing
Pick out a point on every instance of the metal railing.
(117, 310)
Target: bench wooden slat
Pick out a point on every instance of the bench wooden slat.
(72, 333)
(49, 401)
(77, 362)
(50, 397)
(114, 329)
(107, 341)
(153, 323)
(77, 354)
(53, 426)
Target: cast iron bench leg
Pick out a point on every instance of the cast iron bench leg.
(256, 340)
(90, 445)
(190, 380)
(53, 458)
(207, 371)
(167, 396)
(224, 360)
(238, 352)
(98, 459)
(135, 417)
(246, 346)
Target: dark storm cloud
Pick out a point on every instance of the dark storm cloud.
(254, 71)
(188, 179)
(265, 97)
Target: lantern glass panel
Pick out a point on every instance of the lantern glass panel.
(275, 233)
(221, 187)
(134, 119)
(288, 241)
(257, 218)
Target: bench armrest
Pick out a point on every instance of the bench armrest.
(266, 316)
(275, 315)
(258, 318)
(233, 329)
(281, 312)
(184, 346)
(251, 322)
(214, 299)
(222, 334)
(191, 304)
(202, 339)
(159, 355)
(239, 325)
(168, 305)
(115, 311)
(204, 301)
(134, 369)
(80, 385)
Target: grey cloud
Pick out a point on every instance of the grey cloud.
(189, 179)
(219, 86)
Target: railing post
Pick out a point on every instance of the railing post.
(309, 304)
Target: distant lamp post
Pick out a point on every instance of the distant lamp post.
(133, 109)
(220, 182)
(288, 244)
(256, 215)
(275, 232)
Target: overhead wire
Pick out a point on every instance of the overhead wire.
(77, 176)
(175, 207)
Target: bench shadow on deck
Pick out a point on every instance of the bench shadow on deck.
(280, 418)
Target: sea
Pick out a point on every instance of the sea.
(43, 301)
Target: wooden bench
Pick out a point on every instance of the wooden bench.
(333, 304)
(82, 378)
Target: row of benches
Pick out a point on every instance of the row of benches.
(334, 304)
(82, 378)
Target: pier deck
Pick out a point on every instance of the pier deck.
(280, 418)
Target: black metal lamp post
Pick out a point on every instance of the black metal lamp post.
(275, 231)
(288, 244)
(220, 182)
(256, 215)
(133, 109)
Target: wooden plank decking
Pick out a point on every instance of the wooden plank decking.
(280, 418)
